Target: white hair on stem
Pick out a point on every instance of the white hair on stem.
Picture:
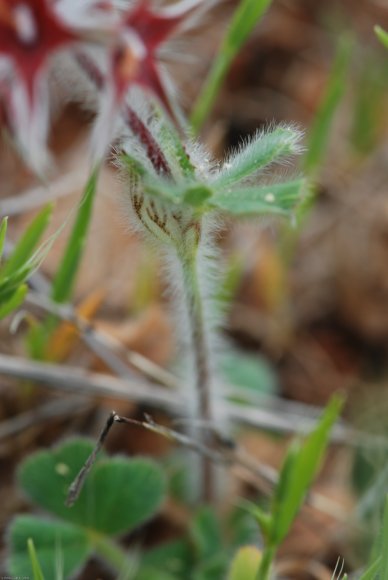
(183, 295)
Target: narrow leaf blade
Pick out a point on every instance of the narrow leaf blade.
(244, 20)
(9, 284)
(279, 199)
(384, 544)
(303, 470)
(24, 249)
(14, 302)
(320, 130)
(262, 150)
(35, 565)
(65, 277)
(372, 571)
(3, 231)
(282, 490)
(382, 35)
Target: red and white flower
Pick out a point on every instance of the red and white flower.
(134, 61)
(30, 34)
(121, 45)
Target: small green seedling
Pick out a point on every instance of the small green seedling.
(119, 496)
(299, 469)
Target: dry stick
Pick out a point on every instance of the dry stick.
(76, 487)
(37, 196)
(79, 381)
(103, 345)
(51, 410)
(274, 413)
(226, 453)
(267, 412)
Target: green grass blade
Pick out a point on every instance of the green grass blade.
(279, 199)
(384, 544)
(65, 277)
(320, 130)
(36, 569)
(279, 501)
(25, 247)
(302, 471)
(244, 20)
(9, 284)
(382, 35)
(372, 571)
(14, 302)
(3, 231)
(370, 90)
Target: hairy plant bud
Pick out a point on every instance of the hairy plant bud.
(174, 226)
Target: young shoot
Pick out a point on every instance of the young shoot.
(176, 200)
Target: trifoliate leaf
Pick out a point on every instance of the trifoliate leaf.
(119, 494)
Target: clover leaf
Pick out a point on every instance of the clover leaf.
(118, 496)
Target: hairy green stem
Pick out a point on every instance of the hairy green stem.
(201, 365)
